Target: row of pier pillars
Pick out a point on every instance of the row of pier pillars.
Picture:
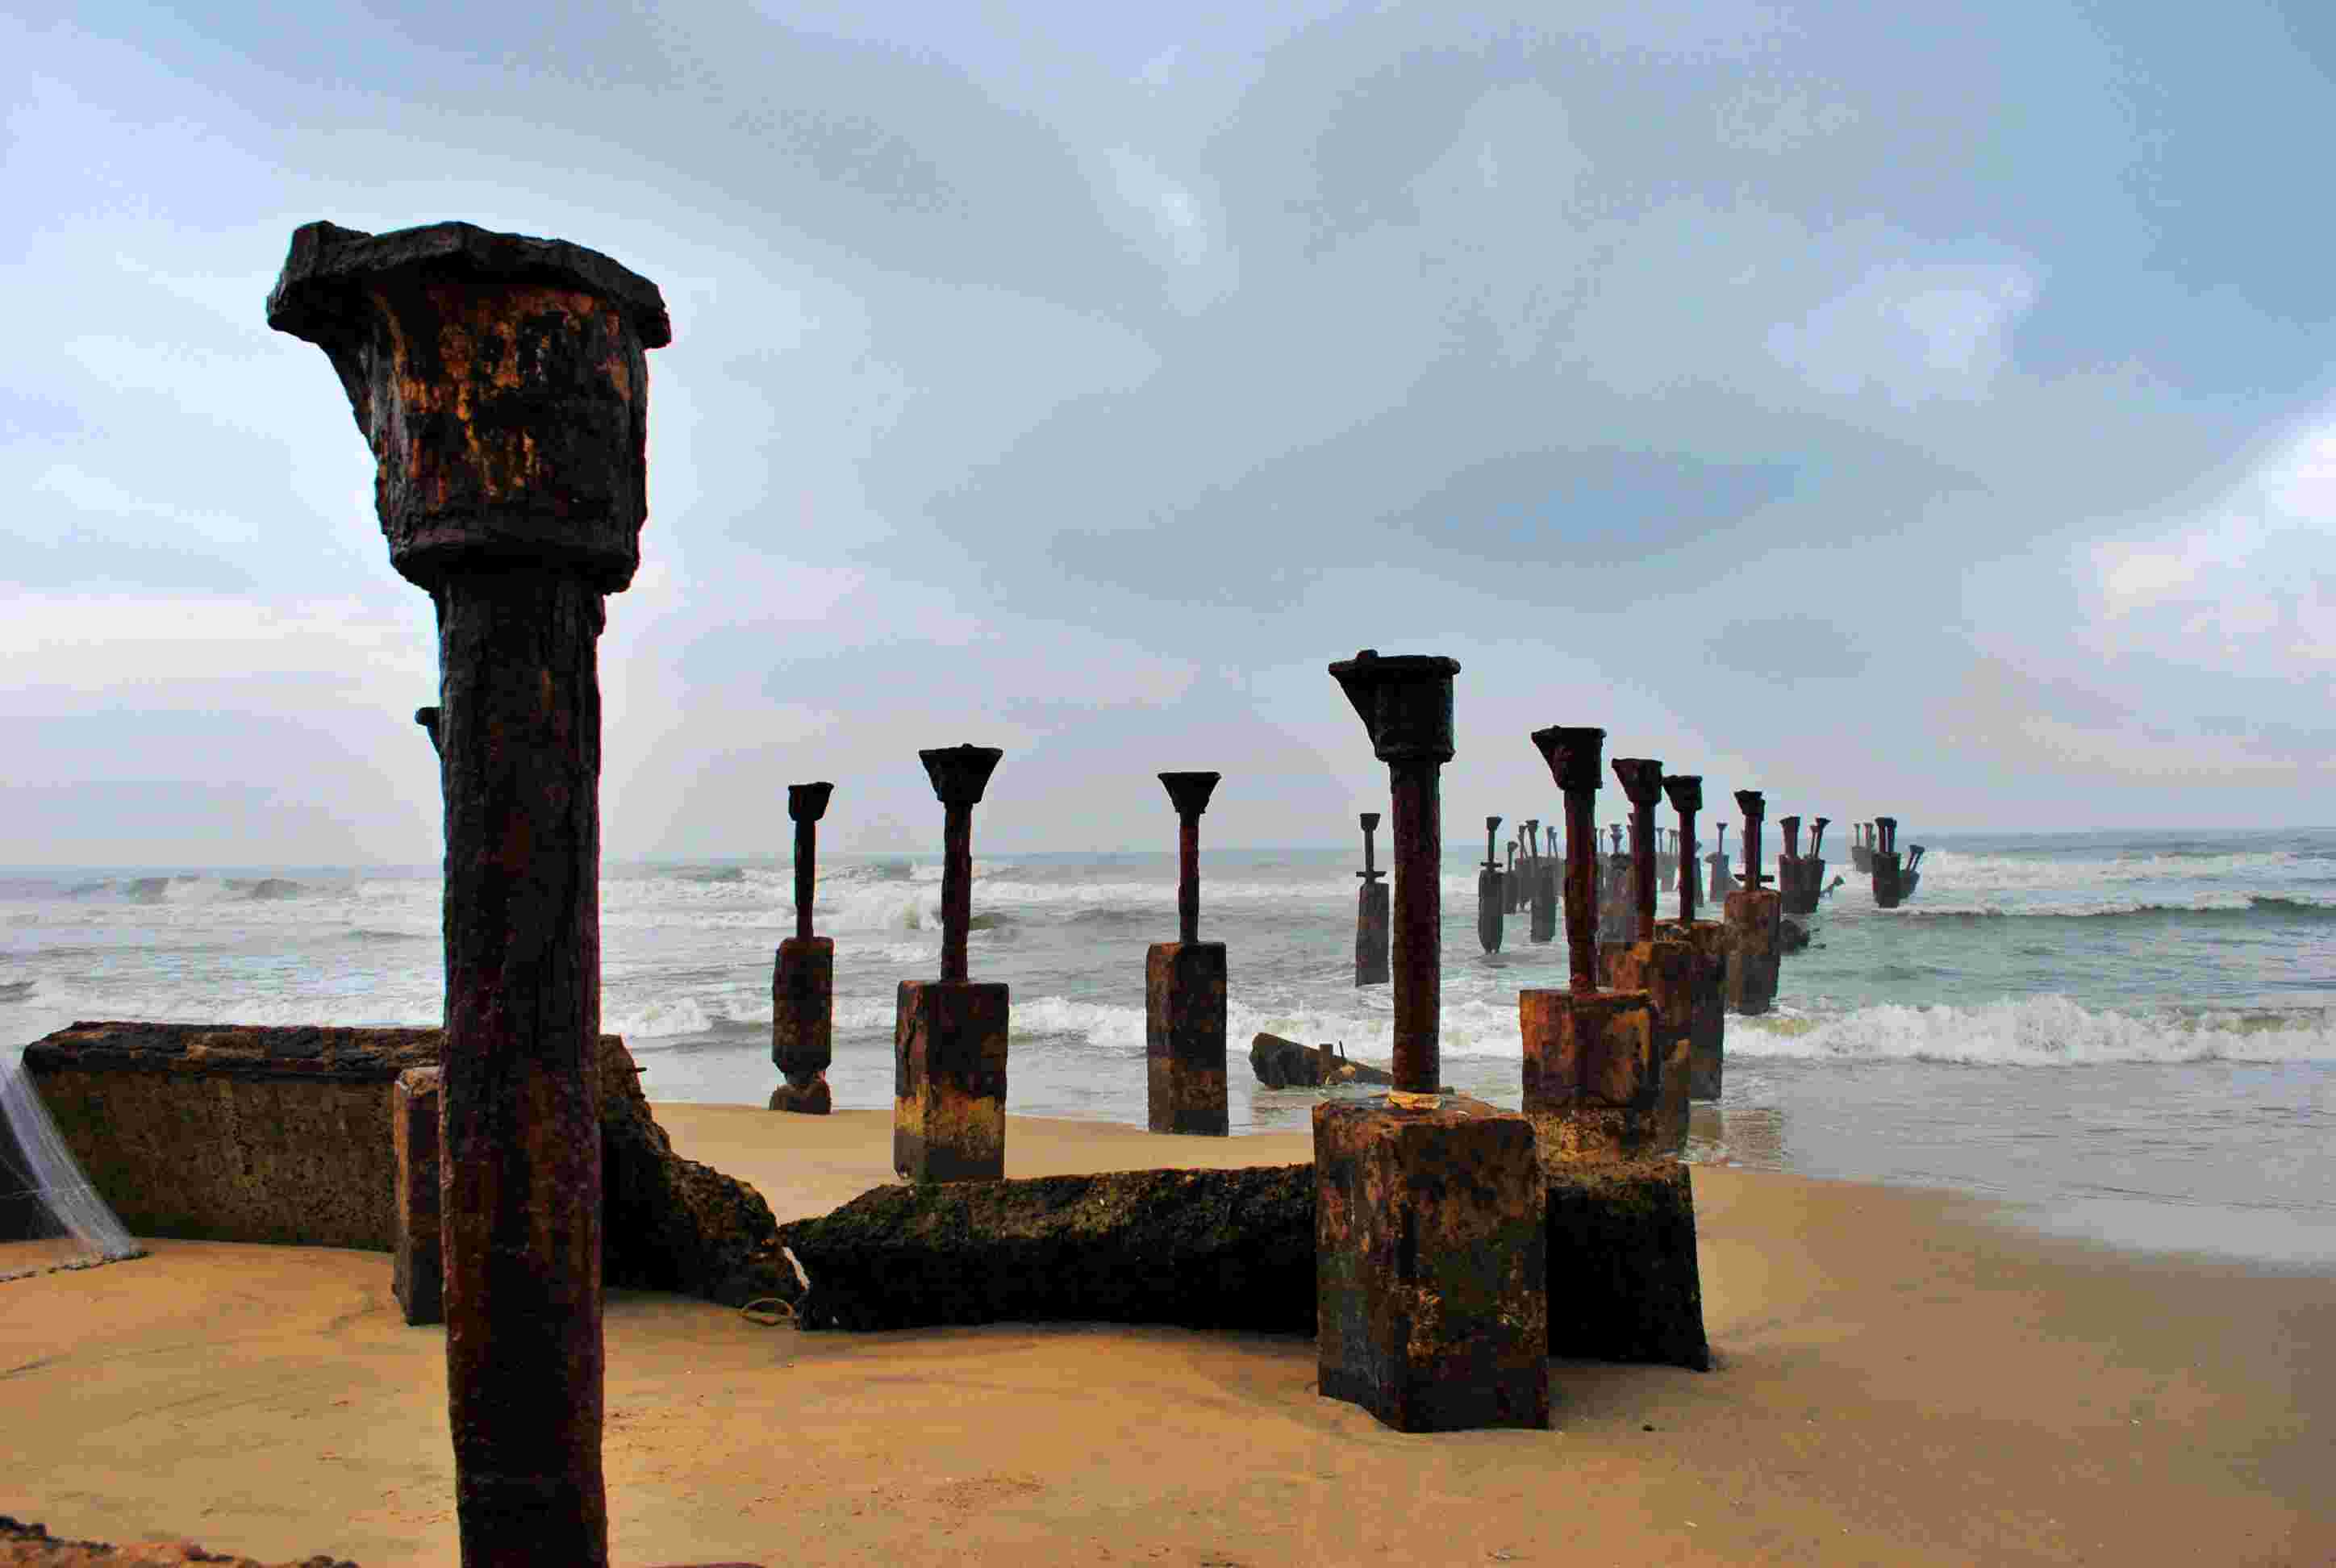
(501, 383)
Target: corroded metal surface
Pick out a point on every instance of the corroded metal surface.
(1184, 1037)
(502, 383)
(1572, 755)
(1593, 1083)
(1686, 793)
(416, 1259)
(949, 1081)
(1188, 793)
(1431, 1265)
(1666, 969)
(1753, 808)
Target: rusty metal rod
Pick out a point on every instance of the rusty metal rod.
(1417, 809)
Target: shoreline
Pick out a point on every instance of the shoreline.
(1903, 1375)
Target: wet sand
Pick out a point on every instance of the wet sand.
(1903, 1377)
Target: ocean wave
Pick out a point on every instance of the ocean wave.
(2222, 906)
(2037, 1031)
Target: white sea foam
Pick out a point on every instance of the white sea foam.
(2046, 1031)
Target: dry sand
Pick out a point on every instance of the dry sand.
(1903, 1377)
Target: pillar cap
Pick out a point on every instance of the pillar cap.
(807, 803)
(1404, 701)
(1641, 779)
(1189, 792)
(329, 268)
(1751, 804)
(1685, 790)
(959, 772)
(1370, 821)
(1572, 753)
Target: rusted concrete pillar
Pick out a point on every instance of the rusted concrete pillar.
(949, 1036)
(803, 975)
(1512, 882)
(1185, 990)
(1488, 891)
(1370, 915)
(1794, 892)
(1755, 920)
(1707, 1021)
(503, 383)
(1431, 1262)
(1663, 967)
(416, 1259)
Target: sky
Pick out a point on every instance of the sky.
(1923, 410)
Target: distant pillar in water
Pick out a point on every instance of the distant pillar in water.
(1424, 1197)
(1661, 965)
(1542, 921)
(1488, 891)
(803, 976)
(1722, 882)
(1890, 888)
(1185, 990)
(1707, 1026)
(1755, 920)
(1510, 882)
(1370, 915)
(949, 1036)
(1795, 888)
(502, 384)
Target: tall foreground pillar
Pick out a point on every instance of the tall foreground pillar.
(503, 386)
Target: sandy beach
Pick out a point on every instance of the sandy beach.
(1904, 1376)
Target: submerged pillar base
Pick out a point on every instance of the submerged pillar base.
(1708, 1034)
(417, 1258)
(949, 1081)
(1624, 1283)
(1184, 1038)
(1431, 1264)
(1593, 1082)
(802, 1023)
(1756, 919)
(1665, 968)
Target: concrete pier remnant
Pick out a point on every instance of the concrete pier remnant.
(1539, 897)
(1510, 882)
(502, 383)
(1431, 1262)
(1861, 849)
(803, 975)
(1370, 915)
(1755, 921)
(1185, 990)
(1620, 1210)
(1488, 891)
(949, 1036)
(1722, 882)
(1708, 1022)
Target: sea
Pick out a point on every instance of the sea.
(2126, 1036)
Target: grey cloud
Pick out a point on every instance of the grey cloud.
(1787, 648)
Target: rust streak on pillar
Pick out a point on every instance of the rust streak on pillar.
(1643, 781)
(502, 383)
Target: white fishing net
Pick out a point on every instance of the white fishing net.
(51, 1217)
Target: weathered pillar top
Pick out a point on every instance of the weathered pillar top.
(500, 382)
(1492, 824)
(1572, 755)
(807, 803)
(1404, 701)
(960, 773)
(1641, 779)
(1791, 826)
(1749, 802)
(1370, 821)
(1189, 792)
(427, 717)
(1885, 822)
(1685, 791)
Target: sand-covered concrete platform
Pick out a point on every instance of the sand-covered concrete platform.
(1902, 1378)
